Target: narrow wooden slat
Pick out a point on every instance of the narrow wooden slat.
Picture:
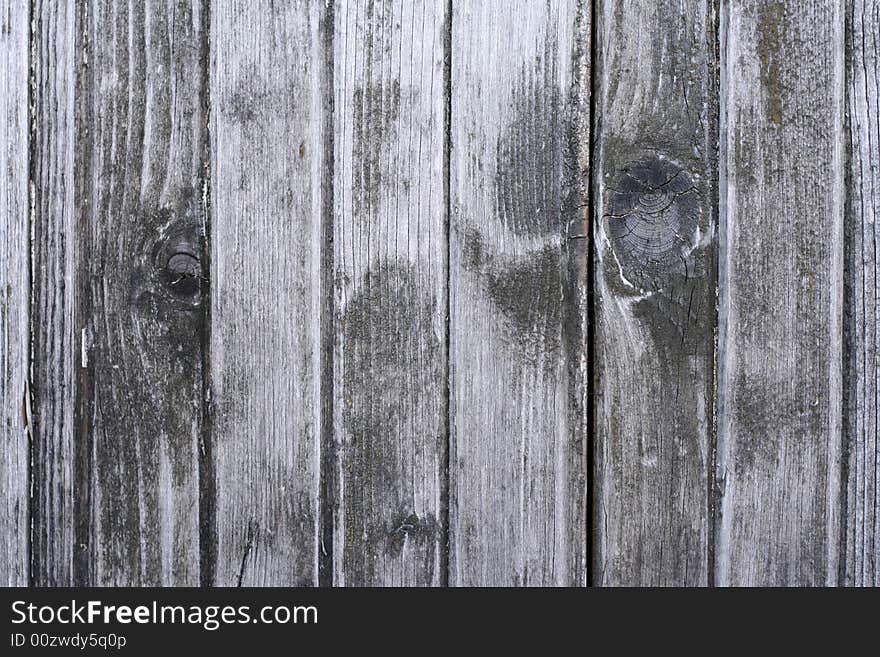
(862, 304)
(781, 288)
(655, 173)
(14, 291)
(520, 134)
(267, 165)
(390, 253)
(56, 259)
(139, 139)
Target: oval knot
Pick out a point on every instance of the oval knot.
(653, 221)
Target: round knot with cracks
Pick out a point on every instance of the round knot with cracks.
(653, 223)
(184, 273)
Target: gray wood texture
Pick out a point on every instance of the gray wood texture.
(518, 179)
(781, 290)
(14, 292)
(862, 341)
(56, 257)
(391, 293)
(267, 196)
(139, 141)
(655, 172)
(390, 251)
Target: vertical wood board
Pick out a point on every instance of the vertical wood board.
(267, 160)
(390, 271)
(56, 258)
(655, 173)
(14, 292)
(862, 304)
(781, 291)
(139, 134)
(518, 345)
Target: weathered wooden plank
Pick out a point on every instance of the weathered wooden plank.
(862, 303)
(655, 173)
(56, 256)
(520, 135)
(14, 291)
(390, 251)
(139, 140)
(781, 270)
(267, 127)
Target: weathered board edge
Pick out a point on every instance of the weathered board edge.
(15, 294)
(861, 519)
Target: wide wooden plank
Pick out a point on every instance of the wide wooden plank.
(862, 303)
(518, 345)
(139, 138)
(781, 288)
(390, 251)
(14, 291)
(655, 180)
(267, 196)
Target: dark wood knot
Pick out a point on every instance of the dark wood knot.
(653, 222)
(184, 265)
(184, 273)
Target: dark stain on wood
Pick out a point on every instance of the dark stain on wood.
(527, 290)
(387, 321)
(654, 169)
(679, 321)
(533, 160)
(528, 189)
(249, 100)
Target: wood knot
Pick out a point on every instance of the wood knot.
(653, 222)
(184, 273)
(184, 265)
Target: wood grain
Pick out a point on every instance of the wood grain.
(390, 249)
(315, 293)
(14, 292)
(267, 126)
(862, 304)
(655, 173)
(56, 261)
(781, 280)
(520, 135)
(139, 140)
